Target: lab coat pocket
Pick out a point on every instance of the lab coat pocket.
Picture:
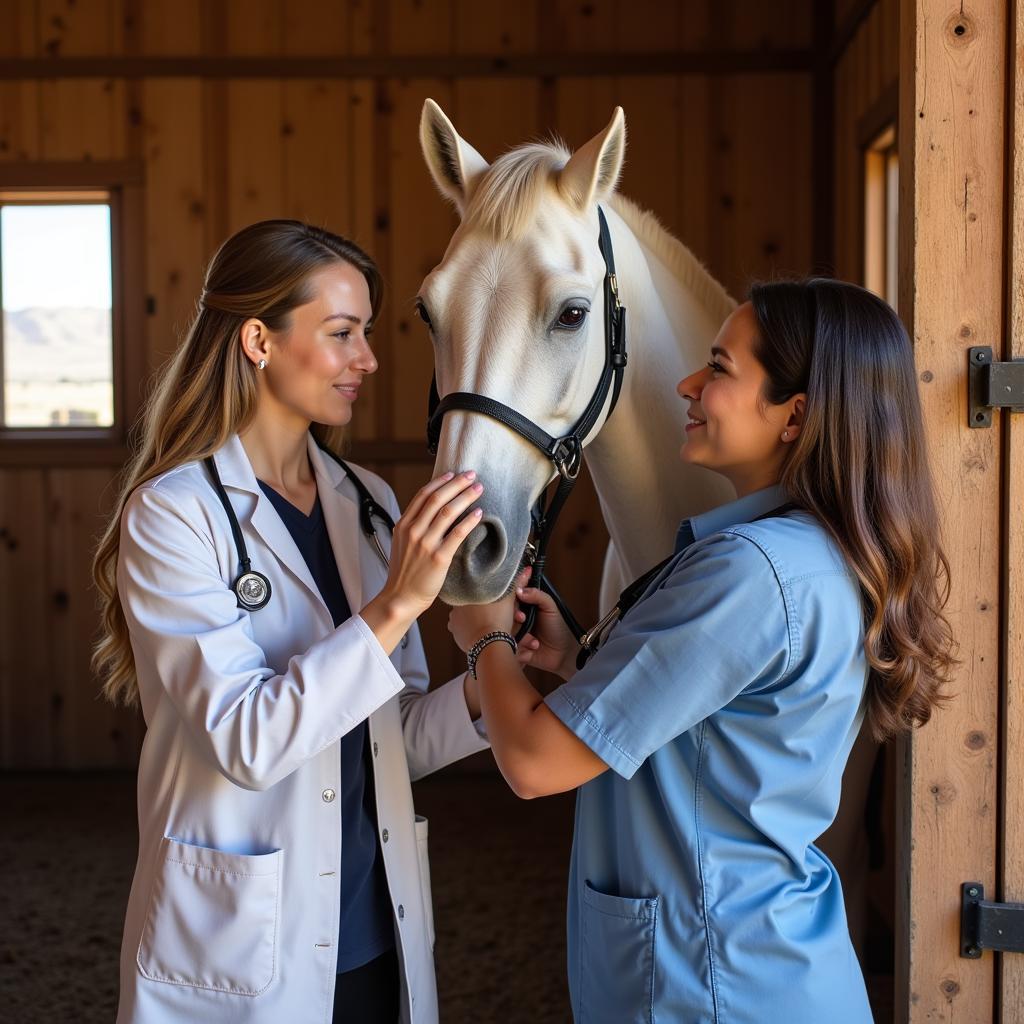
(212, 919)
(617, 958)
(424, 862)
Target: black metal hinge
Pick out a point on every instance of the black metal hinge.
(992, 386)
(985, 925)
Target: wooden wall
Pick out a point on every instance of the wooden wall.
(247, 109)
(865, 102)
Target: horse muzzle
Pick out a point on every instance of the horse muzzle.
(486, 564)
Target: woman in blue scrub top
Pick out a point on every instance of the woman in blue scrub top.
(726, 701)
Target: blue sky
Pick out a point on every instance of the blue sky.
(55, 256)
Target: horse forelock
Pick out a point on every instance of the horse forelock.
(508, 194)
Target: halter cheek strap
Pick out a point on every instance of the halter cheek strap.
(565, 453)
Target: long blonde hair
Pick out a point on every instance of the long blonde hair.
(207, 392)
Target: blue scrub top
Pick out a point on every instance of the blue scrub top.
(726, 703)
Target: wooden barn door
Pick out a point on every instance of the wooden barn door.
(962, 259)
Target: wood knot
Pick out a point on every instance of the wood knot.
(927, 376)
(950, 988)
(960, 29)
(974, 740)
(943, 792)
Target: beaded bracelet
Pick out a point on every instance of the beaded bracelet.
(488, 638)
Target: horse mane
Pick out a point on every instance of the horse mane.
(679, 260)
(506, 198)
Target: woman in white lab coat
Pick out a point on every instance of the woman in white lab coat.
(244, 906)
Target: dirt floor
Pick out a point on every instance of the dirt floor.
(68, 843)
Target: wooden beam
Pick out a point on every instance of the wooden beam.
(71, 173)
(952, 255)
(823, 145)
(601, 65)
(856, 17)
(1011, 859)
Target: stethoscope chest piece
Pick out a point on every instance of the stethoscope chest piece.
(252, 590)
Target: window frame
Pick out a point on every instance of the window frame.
(80, 446)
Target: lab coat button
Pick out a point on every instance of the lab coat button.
(384, 835)
(376, 750)
(328, 795)
(405, 641)
(401, 912)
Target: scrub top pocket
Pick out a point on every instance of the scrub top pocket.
(617, 958)
(212, 919)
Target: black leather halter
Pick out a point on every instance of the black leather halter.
(566, 453)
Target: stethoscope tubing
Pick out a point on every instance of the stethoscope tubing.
(252, 589)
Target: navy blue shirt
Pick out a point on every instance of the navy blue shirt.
(366, 928)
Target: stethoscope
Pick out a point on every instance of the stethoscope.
(252, 588)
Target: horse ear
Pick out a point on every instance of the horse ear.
(593, 170)
(454, 164)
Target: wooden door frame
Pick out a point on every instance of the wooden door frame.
(953, 256)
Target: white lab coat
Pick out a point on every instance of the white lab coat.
(234, 908)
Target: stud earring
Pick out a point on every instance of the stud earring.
(261, 365)
(785, 435)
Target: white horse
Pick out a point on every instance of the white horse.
(516, 313)
(526, 252)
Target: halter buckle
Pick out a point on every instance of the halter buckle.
(567, 455)
(613, 284)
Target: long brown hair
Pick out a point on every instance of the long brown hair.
(860, 466)
(207, 392)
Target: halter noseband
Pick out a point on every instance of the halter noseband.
(566, 453)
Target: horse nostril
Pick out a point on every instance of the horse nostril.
(485, 548)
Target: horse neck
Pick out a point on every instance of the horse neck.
(644, 487)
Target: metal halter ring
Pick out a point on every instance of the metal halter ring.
(567, 455)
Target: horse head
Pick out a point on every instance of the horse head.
(515, 313)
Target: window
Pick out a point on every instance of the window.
(881, 216)
(57, 330)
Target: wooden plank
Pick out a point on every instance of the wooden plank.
(316, 28)
(406, 353)
(778, 25)
(363, 182)
(654, 123)
(177, 211)
(1011, 981)
(83, 119)
(583, 106)
(20, 35)
(19, 121)
(26, 681)
(317, 157)
(697, 137)
(773, 178)
(255, 172)
(426, 64)
(495, 115)
(953, 85)
(585, 27)
(652, 25)
(172, 29)
(87, 731)
(68, 28)
(420, 28)
(495, 28)
(255, 28)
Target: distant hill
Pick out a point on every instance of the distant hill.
(70, 344)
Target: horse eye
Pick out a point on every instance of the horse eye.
(423, 314)
(572, 317)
